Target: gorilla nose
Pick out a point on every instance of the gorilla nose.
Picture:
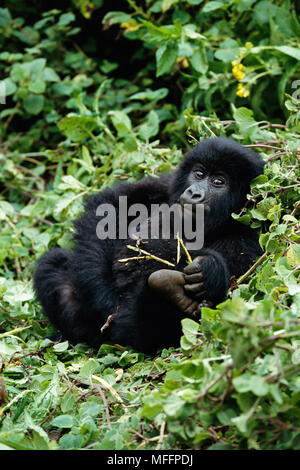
(193, 195)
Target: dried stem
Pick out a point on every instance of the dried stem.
(148, 256)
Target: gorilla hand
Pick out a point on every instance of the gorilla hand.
(207, 277)
(170, 284)
(194, 279)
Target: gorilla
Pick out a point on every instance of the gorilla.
(95, 293)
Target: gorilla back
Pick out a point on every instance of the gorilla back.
(92, 297)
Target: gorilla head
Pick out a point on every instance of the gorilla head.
(217, 173)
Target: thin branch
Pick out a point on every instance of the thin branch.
(38, 219)
(161, 435)
(98, 387)
(250, 271)
(202, 394)
(156, 258)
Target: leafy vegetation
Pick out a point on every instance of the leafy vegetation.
(78, 117)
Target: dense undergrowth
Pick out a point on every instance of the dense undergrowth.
(87, 106)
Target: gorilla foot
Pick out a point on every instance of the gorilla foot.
(170, 284)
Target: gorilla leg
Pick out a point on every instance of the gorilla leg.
(56, 290)
(54, 287)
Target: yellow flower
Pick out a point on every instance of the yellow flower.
(242, 92)
(238, 75)
(238, 71)
(183, 62)
(248, 45)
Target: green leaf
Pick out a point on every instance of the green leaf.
(49, 75)
(6, 209)
(228, 50)
(150, 128)
(37, 86)
(166, 4)
(40, 439)
(36, 67)
(69, 182)
(77, 128)
(293, 255)
(251, 383)
(121, 122)
(61, 347)
(151, 95)
(173, 405)
(34, 104)
(166, 57)
(241, 423)
(68, 401)
(10, 86)
(290, 51)
(5, 17)
(245, 121)
(212, 6)
(65, 19)
(199, 60)
(71, 441)
(89, 368)
(114, 17)
(190, 330)
(63, 421)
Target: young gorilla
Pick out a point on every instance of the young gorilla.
(92, 297)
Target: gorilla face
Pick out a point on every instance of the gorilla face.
(205, 187)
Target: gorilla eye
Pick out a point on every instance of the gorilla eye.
(218, 181)
(199, 174)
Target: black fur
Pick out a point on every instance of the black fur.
(80, 289)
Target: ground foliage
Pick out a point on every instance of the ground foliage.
(78, 117)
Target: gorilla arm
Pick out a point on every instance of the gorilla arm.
(230, 255)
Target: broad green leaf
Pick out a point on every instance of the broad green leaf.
(245, 121)
(166, 57)
(190, 330)
(63, 421)
(37, 86)
(65, 19)
(251, 383)
(293, 255)
(228, 50)
(77, 128)
(114, 17)
(290, 51)
(199, 60)
(241, 423)
(151, 95)
(34, 104)
(121, 122)
(61, 347)
(173, 405)
(212, 6)
(151, 127)
(49, 75)
(89, 368)
(68, 402)
(36, 67)
(166, 4)
(9, 87)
